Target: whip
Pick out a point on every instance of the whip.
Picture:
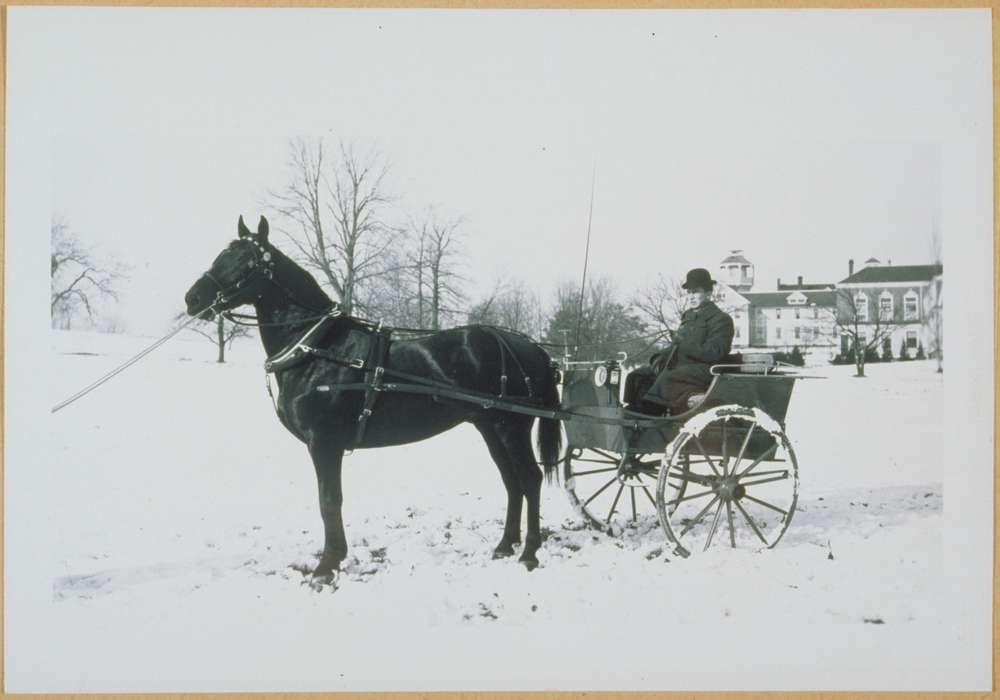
(132, 361)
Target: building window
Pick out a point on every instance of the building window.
(911, 340)
(796, 332)
(777, 333)
(777, 313)
(885, 306)
(861, 306)
(815, 312)
(797, 313)
(911, 310)
(737, 331)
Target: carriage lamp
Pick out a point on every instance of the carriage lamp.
(600, 375)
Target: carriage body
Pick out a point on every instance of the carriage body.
(615, 458)
(584, 395)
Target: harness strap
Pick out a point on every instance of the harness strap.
(505, 350)
(373, 378)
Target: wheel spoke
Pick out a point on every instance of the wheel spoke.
(689, 498)
(635, 516)
(765, 504)
(604, 454)
(591, 460)
(771, 450)
(750, 522)
(765, 481)
(725, 450)
(743, 447)
(697, 518)
(783, 472)
(649, 495)
(705, 453)
(703, 479)
(732, 530)
(615, 503)
(595, 471)
(600, 490)
(715, 526)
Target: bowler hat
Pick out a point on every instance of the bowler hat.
(698, 278)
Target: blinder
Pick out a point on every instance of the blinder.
(262, 264)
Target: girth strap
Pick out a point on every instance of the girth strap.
(373, 378)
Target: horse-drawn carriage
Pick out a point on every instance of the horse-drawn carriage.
(343, 383)
(727, 455)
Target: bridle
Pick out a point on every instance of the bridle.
(263, 264)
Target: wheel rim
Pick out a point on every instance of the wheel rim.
(738, 482)
(611, 491)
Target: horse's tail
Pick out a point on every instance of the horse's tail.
(550, 430)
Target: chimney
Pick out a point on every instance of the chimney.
(779, 284)
(850, 267)
(800, 280)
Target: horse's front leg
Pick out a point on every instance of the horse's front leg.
(327, 459)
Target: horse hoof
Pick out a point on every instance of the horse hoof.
(326, 568)
(503, 551)
(322, 582)
(530, 564)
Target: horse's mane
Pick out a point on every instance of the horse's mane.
(299, 281)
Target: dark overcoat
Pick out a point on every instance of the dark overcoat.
(703, 339)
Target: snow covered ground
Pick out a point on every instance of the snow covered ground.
(182, 517)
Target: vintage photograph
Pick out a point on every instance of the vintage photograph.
(498, 350)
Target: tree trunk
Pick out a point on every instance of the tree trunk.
(435, 300)
(221, 339)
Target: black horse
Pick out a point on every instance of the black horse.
(315, 406)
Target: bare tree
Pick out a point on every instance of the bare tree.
(934, 301)
(334, 213)
(220, 331)
(661, 303)
(606, 326)
(80, 278)
(510, 304)
(443, 281)
(863, 322)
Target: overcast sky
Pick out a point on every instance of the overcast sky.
(802, 137)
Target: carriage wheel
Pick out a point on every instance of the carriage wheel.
(730, 477)
(611, 490)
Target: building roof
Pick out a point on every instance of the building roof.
(805, 287)
(894, 273)
(826, 297)
(735, 257)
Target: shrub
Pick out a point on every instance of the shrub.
(903, 355)
(796, 358)
(920, 352)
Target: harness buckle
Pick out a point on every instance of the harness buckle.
(365, 413)
(357, 364)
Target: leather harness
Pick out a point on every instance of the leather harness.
(374, 367)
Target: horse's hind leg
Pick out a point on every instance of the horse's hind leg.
(510, 445)
(515, 498)
(530, 476)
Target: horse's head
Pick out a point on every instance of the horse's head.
(238, 274)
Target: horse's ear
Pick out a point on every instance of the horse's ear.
(242, 228)
(262, 230)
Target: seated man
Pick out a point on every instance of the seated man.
(704, 338)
